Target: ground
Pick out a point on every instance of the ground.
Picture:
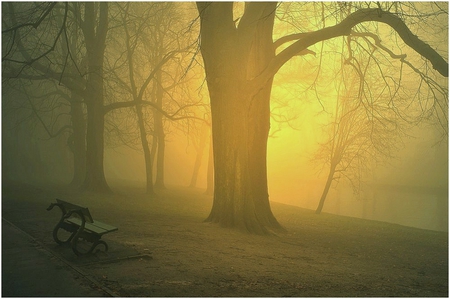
(180, 255)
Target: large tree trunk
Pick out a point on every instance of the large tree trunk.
(240, 146)
(95, 35)
(210, 173)
(240, 113)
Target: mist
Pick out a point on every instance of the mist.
(233, 140)
(410, 189)
(413, 172)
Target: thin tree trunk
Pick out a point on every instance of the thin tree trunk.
(154, 147)
(159, 131)
(199, 156)
(159, 182)
(326, 189)
(146, 149)
(78, 146)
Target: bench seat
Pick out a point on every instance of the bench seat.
(96, 227)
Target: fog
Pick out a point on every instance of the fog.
(411, 189)
(406, 184)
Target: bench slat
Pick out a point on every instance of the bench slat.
(97, 227)
(104, 226)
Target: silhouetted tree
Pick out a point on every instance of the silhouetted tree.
(355, 141)
(154, 55)
(34, 117)
(94, 25)
(91, 20)
(138, 91)
(20, 63)
(76, 60)
(172, 83)
(240, 62)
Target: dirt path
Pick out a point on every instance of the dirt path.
(318, 255)
(29, 270)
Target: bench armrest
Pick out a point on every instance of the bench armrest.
(50, 207)
(66, 215)
(79, 213)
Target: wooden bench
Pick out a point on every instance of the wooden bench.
(79, 223)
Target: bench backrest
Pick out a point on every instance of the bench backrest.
(71, 207)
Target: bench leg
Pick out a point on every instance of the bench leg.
(91, 249)
(57, 239)
(72, 229)
(103, 243)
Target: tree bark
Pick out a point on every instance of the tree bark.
(210, 173)
(240, 64)
(240, 115)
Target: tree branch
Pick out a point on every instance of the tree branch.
(344, 28)
(36, 24)
(127, 104)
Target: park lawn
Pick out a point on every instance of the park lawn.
(316, 256)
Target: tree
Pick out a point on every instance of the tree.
(87, 80)
(366, 131)
(146, 73)
(136, 91)
(35, 129)
(21, 64)
(75, 59)
(94, 26)
(240, 62)
(354, 139)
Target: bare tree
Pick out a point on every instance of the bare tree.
(138, 92)
(241, 60)
(36, 115)
(370, 116)
(153, 63)
(21, 63)
(355, 141)
(87, 81)
(78, 36)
